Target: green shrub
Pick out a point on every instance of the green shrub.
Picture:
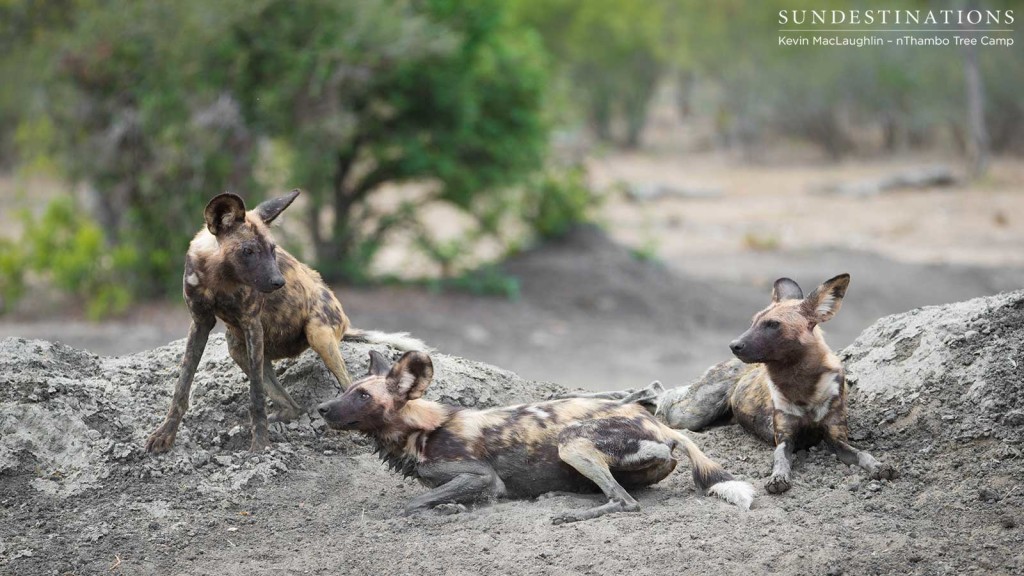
(558, 201)
(488, 280)
(12, 273)
(65, 248)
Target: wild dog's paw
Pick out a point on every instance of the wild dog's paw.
(883, 472)
(162, 438)
(777, 484)
(449, 508)
(284, 415)
(259, 442)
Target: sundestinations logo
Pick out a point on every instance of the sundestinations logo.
(879, 27)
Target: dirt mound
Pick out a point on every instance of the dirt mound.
(937, 392)
(946, 374)
(586, 272)
(70, 417)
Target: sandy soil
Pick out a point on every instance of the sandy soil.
(779, 207)
(937, 393)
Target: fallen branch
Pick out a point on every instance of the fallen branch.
(928, 177)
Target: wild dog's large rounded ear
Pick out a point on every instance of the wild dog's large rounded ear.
(268, 210)
(379, 364)
(822, 304)
(224, 212)
(786, 289)
(411, 375)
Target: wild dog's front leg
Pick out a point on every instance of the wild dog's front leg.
(162, 438)
(455, 482)
(836, 438)
(785, 432)
(853, 457)
(258, 409)
(649, 396)
(782, 460)
(612, 395)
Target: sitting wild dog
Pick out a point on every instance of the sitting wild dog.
(792, 393)
(463, 455)
(273, 305)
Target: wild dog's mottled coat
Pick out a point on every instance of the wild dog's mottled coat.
(273, 306)
(792, 390)
(517, 451)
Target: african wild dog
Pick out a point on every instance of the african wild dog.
(792, 393)
(517, 451)
(273, 306)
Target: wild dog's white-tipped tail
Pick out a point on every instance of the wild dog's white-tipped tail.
(710, 477)
(401, 340)
(735, 492)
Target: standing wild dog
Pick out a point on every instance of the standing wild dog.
(273, 306)
(571, 445)
(792, 391)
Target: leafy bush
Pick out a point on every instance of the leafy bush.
(487, 280)
(66, 247)
(163, 104)
(557, 201)
(12, 273)
(386, 91)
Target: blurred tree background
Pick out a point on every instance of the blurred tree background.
(150, 108)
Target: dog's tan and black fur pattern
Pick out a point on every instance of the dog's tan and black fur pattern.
(273, 306)
(517, 451)
(786, 385)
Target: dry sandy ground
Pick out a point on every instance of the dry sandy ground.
(778, 207)
(937, 393)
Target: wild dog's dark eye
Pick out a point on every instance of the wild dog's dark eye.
(364, 395)
(771, 324)
(247, 251)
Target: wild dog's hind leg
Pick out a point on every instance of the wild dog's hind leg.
(583, 455)
(286, 407)
(601, 448)
(696, 406)
(162, 438)
(324, 340)
(455, 482)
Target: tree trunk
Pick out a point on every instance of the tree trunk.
(333, 246)
(686, 82)
(977, 135)
(601, 116)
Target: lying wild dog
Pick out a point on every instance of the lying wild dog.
(519, 451)
(792, 392)
(273, 305)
